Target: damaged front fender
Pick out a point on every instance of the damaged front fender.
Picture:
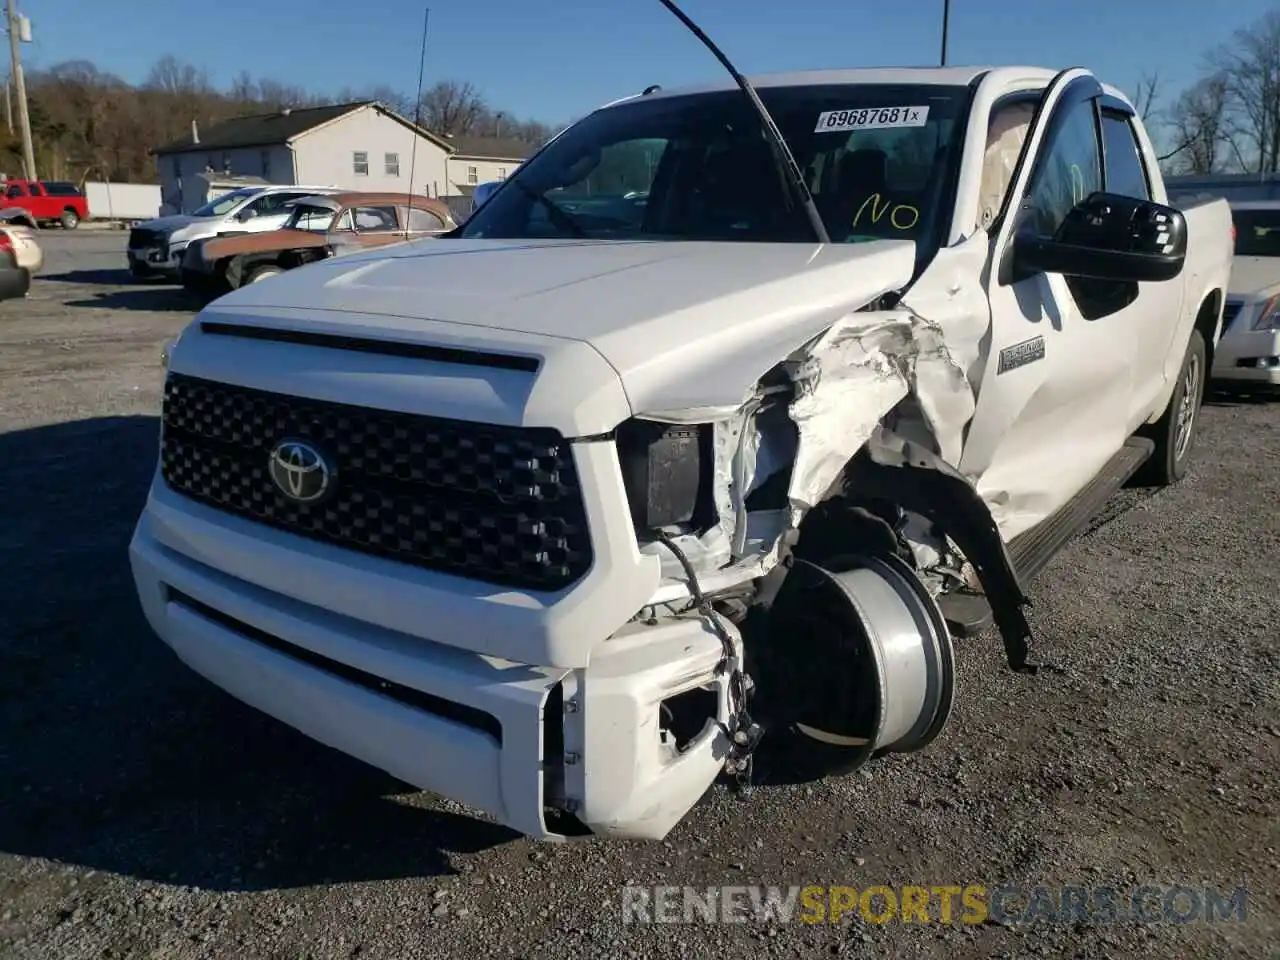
(875, 408)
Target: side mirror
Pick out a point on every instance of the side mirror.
(1108, 237)
(246, 214)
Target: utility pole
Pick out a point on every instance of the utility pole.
(15, 39)
(946, 21)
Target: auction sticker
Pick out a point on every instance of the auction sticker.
(871, 118)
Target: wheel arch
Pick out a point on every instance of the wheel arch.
(1208, 322)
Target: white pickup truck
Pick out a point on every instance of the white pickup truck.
(555, 515)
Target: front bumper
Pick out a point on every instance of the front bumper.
(1248, 356)
(155, 259)
(509, 739)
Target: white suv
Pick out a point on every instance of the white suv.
(156, 246)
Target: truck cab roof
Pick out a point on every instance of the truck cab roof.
(958, 76)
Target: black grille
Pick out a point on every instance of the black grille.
(1229, 313)
(139, 238)
(497, 504)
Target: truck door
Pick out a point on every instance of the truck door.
(42, 207)
(16, 196)
(1056, 397)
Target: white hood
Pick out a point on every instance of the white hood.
(683, 324)
(1254, 278)
(172, 223)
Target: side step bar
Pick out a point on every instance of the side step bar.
(967, 613)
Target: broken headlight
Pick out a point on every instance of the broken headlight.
(667, 471)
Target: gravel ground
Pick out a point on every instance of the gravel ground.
(145, 814)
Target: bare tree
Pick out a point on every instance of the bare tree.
(1250, 67)
(450, 107)
(83, 119)
(1200, 125)
(387, 96)
(275, 95)
(243, 88)
(171, 75)
(1148, 94)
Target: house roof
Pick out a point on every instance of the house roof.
(491, 148)
(279, 126)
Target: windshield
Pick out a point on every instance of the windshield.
(698, 167)
(1257, 232)
(309, 217)
(225, 203)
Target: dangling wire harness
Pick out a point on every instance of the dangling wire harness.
(744, 733)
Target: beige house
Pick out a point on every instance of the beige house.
(476, 160)
(354, 146)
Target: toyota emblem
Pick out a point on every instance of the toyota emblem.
(300, 471)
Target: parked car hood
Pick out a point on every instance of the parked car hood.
(1253, 278)
(673, 319)
(173, 222)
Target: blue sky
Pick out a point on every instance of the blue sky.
(553, 61)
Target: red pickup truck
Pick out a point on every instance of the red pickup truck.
(48, 200)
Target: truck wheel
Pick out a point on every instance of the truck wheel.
(1174, 433)
(69, 219)
(261, 273)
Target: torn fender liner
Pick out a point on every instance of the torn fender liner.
(925, 485)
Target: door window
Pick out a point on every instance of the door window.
(1125, 172)
(1068, 170)
(16, 190)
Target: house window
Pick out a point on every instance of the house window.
(392, 161)
(473, 175)
(502, 173)
(265, 157)
(360, 163)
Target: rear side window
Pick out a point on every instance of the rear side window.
(61, 189)
(15, 190)
(424, 221)
(1125, 172)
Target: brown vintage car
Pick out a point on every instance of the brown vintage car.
(318, 227)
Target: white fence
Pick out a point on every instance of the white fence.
(122, 201)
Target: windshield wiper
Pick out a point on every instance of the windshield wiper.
(784, 160)
(558, 216)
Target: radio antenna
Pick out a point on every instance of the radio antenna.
(788, 169)
(417, 113)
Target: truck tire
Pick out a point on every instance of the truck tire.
(69, 220)
(1174, 432)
